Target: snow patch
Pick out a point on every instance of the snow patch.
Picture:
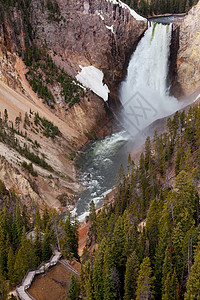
(92, 78)
(196, 98)
(80, 85)
(125, 6)
(110, 28)
(102, 18)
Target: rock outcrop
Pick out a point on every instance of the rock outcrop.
(97, 32)
(186, 62)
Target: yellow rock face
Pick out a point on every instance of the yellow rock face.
(188, 60)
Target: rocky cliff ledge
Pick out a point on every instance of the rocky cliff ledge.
(98, 32)
(186, 61)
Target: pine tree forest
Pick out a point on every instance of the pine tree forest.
(26, 241)
(143, 245)
(146, 243)
(152, 7)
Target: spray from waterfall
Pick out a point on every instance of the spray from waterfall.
(144, 93)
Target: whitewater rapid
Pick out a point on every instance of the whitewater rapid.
(98, 168)
(145, 92)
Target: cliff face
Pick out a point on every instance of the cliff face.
(186, 77)
(96, 32)
(81, 32)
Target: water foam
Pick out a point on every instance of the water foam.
(146, 83)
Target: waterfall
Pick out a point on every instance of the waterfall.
(144, 93)
(144, 96)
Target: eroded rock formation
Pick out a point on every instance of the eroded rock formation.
(97, 33)
(186, 63)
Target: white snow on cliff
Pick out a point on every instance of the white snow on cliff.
(102, 17)
(197, 98)
(92, 78)
(125, 6)
(110, 28)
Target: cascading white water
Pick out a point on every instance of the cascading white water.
(144, 93)
(145, 98)
(99, 166)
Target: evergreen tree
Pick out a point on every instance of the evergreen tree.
(38, 221)
(74, 288)
(86, 278)
(132, 268)
(10, 266)
(45, 218)
(46, 247)
(37, 245)
(148, 156)
(170, 288)
(19, 221)
(5, 116)
(3, 287)
(193, 283)
(152, 231)
(188, 160)
(25, 258)
(145, 281)
(93, 227)
(97, 278)
(3, 250)
(131, 240)
(109, 293)
(71, 237)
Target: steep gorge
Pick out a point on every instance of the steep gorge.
(83, 33)
(80, 36)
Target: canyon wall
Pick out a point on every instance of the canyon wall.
(98, 33)
(185, 54)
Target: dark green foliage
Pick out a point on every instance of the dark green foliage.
(18, 252)
(25, 258)
(193, 284)
(3, 287)
(7, 136)
(93, 219)
(46, 244)
(146, 8)
(168, 233)
(29, 167)
(74, 288)
(11, 234)
(145, 280)
(54, 10)
(69, 237)
(34, 157)
(43, 74)
(47, 127)
(131, 275)
(42, 83)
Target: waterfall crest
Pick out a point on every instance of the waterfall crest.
(144, 93)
